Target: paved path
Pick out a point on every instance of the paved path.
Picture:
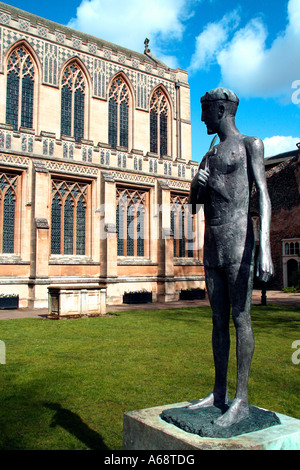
(273, 297)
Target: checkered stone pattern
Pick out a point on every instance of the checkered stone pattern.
(88, 62)
(24, 25)
(10, 37)
(42, 31)
(53, 58)
(64, 55)
(121, 58)
(5, 18)
(153, 82)
(60, 37)
(135, 64)
(77, 43)
(107, 54)
(92, 48)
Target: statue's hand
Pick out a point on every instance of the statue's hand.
(203, 176)
(265, 268)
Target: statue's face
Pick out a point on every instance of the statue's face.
(210, 116)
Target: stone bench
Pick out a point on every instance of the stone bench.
(76, 300)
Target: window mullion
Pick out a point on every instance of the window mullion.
(125, 228)
(135, 231)
(62, 245)
(20, 95)
(75, 229)
(72, 111)
(158, 133)
(118, 117)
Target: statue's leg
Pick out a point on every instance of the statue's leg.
(218, 294)
(241, 283)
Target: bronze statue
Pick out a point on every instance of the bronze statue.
(223, 184)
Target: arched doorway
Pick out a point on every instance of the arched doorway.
(292, 272)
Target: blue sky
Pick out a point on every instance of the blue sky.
(251, 47)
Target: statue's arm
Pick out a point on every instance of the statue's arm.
(255, 152)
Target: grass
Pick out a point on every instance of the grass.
(66, 384)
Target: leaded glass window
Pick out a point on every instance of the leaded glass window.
(72, 102)
(20, 89)
(68, 225)
(159, 112)
(131, 222)
(68, 217)
(118, 113)
(80, 226)
(130, 228)
(66, 111)
(182, 226)
(8, 187)
(56, 211)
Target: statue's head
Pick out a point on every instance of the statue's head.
(218, 104)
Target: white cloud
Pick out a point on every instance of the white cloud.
(279, 144)
(211, 40)
(129, 22)
(250, 67)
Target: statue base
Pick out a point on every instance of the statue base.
(202, 421)
(148, 430)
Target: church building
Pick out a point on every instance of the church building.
(95, 166)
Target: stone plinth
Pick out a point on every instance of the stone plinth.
(145, 430)
(76, 301)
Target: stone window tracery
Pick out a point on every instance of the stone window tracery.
(118, 113)
(131, 221)
(68, 217)
(159, 113)
(8, 188)
(73, 102)
(20, 88)
(182, 227)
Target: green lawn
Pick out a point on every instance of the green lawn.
(66, 384)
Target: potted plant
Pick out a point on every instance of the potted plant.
(9, 301)
(137, 297)
(192, 294)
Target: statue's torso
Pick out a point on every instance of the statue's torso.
(228, 227)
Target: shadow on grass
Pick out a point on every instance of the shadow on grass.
(276, 317)
(72, 423)
(270, 317)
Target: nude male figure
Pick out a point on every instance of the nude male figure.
(223, 184)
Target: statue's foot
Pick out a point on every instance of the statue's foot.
(210, 400)
(237, 411)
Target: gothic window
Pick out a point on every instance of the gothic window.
(159, 112)
(182, 227)
(68, 217)
(72, 102)
(8, 187)
(291, 248)
(131, 222)
(20, 89)
(118, 113)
